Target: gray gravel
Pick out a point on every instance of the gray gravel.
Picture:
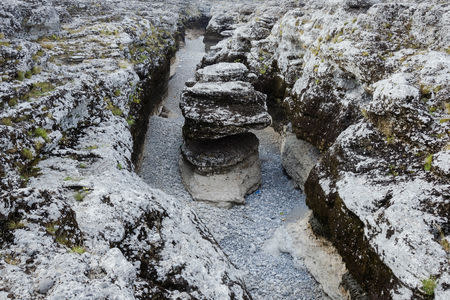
(241, 230)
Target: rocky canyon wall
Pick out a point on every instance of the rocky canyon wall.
(77, 82)
(364, 86)
(358, 87)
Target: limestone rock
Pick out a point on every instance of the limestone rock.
(392, 194)
(220, 155)
(206, 122)
(222, 72)
(43, 21)
(220, 22)
(76, 222)
(223, 189)
(355, 4)
(366, 82)
(223, 93)
(33, 18)
(217, 109)
(328, 104)
(298, 158)
(220, 159)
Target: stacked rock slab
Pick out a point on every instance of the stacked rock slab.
(219, 157)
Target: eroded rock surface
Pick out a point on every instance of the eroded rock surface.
(298, 158)
(220, 161)
(78, 80)
(225, 188)
(216, 156)
(366, 83)
(221, 171)
(222, 72)
(217, 109)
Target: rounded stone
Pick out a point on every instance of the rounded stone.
(45, 285)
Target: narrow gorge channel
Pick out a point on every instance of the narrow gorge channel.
(306, 155)
(244, 232)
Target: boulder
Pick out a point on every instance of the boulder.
(219, 23)
(327, 104)
(31, 19)
(223, 93)
(205, 121)
(223, 189)
(217, 109)
(220, 159)
(298, 158)
(43, 21)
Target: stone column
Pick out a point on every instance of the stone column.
(219, 157)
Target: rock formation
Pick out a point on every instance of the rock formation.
(220, 161)
(77, 81)
(365, 83)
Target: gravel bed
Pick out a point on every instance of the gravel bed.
(242, 230)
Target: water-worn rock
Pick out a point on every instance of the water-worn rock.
(217, 109)
(32, 18)
(219, 25)
(220, 155)
(366, 82)
(222, 72)
(220, 161)
(223, 189)
(76, 222)
(223, 93)
(298, 158)
(329, 104)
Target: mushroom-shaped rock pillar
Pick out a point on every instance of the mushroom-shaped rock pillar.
(219, 160)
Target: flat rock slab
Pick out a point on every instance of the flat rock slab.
(223, 190)
(217, 109)
(223, 93)
(230, 123)
(220, 155)
(222, 72)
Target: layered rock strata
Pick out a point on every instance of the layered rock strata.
(220, 161)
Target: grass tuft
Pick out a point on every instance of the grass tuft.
(79, 196)
(78, 249)
(41, 132)
(27, 153)
(428, 286)
(12, 225)
(428, 161)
